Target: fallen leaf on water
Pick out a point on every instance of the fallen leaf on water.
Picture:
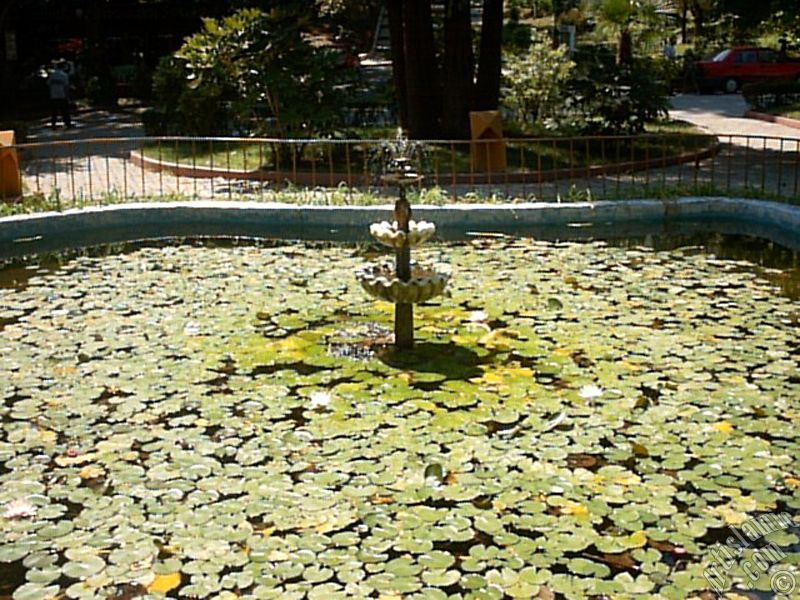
(91, 472)
(722, 427)
(165, 583)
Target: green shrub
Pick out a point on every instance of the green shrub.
(252, 72)
(185, 109)
(604, 98)
(771, 93)
(101, 90)
(534, 82)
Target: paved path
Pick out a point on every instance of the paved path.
(723, 114)
(89, 124)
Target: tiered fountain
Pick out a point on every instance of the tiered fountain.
(405, 283)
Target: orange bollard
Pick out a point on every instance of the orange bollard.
(10, 184)
(488, 146)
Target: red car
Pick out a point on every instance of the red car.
(731, 69)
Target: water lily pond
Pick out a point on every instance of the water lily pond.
(577, 421)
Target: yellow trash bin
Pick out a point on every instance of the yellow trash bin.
(10, 183)
(488, 146)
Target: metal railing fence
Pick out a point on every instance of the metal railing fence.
(68, 174)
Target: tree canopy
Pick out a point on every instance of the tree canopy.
(261, 64)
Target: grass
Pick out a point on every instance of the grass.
(434, 196)
(791, 111)
(663, 140)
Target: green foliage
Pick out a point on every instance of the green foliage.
(617, 12)
(351, 21)
(781, 26)
(606, 99)
(535, 81)
(517, 36)
(252, 71)
(101, 90)
(182, 108)
(167, 421)
(771, 93)
(635, 24)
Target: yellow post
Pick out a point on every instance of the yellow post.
(10, 184)
(488, 146)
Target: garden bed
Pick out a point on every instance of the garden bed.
(356, 162)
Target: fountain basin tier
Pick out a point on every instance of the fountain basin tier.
(379, 281)
(390, 234)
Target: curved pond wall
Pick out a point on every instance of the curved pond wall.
(28, 234)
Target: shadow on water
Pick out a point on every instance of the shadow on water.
(770, 261)
(447, 359)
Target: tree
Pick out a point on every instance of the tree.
(535, 81)
(351, 22)
(422, 72)
(458, 70)
(619, 14)
(262, 60)
(487, 92)
(397, 42)
(428, 108)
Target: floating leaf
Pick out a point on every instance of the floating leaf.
(165, 583)
(723, 427)
(520, 451)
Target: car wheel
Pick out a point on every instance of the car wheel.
(730, 86)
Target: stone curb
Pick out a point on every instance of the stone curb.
(26, 234)
(777, 119)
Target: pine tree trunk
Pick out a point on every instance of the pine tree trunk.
(487, 88)
(458, 69)
(699, 17)
(625, 50)
(397, 42)
(422, 74)
(684, 19)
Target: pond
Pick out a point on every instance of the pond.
(577, 420)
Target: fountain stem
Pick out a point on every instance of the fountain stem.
(403, 313)
(401, 283)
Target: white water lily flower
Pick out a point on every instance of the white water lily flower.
(19, 509)
(588, 392)
(319, 400)
(478, 316)
(191, 328)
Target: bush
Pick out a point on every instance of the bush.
(771, 93)
(184, 109)
(101, 90)
(155, 122)
(606, 99)
(252, 71)
(534, 82)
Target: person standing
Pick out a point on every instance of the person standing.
(669, 49)
(58, 88)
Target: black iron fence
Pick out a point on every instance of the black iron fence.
(62, 175)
